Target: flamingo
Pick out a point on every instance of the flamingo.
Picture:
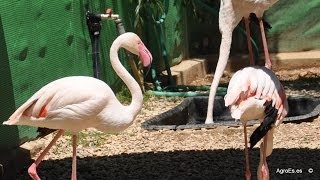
(230, 14)
(78, 102)
(256, 93)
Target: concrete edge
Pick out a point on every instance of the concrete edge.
(191, 69)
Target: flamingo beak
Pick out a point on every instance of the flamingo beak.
(145, 55)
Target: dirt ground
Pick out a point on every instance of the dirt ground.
(189, 154)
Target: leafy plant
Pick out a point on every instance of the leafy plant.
(124, 95)
(146, 9)
(89, 138)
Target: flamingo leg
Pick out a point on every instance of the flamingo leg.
(247, 24)
(268, 63)
(74, 158)
(264, 168)
(263, 171)
(248, 173)
(32, 170)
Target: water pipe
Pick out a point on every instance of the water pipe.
(221, 91)
(163, 49)
(116, 18)
(93, 23)
(173, 90)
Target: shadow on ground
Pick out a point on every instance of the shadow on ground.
(210, 164)
(310, 83)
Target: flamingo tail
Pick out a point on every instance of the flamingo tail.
(265, 126)
(15, 117)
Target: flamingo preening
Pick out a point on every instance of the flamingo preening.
(256, 93)
(230, 14)
(78, 102)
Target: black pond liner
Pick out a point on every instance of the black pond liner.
(191, 114)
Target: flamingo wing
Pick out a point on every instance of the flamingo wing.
(259, 83)
(67, 99)
(256, 92)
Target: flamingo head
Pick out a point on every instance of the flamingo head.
(136, 46)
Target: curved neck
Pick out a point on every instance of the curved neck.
(134, 88)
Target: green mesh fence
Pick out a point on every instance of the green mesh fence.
(175, 32)
(44, 42)
(9, 135)
(294, 28)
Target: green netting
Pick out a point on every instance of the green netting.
(45, 41)
(9, 135)
(294, 28)
(175, 32)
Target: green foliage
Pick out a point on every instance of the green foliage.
(124, 95)
(146, 9)
(147, 96)
(90, 138)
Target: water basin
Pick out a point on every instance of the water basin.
(191, 114)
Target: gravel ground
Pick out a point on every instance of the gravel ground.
(188, 154)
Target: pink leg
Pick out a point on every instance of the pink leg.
(264, 168)
(33, 168)
(248, 173)
(251, 60)
(74, 158)
(268, 63)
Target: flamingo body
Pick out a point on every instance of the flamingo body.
(256, 93)
(73, 104)
(250, 88)
(245, 7)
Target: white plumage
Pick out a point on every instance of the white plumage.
(255, 85)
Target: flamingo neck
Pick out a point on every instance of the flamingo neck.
(222, 63)
(134, 88)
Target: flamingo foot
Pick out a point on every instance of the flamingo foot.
(268, 64)
(265, 172)
(209, 121)
(32, 170)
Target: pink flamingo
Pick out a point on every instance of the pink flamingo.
(256, 93)
(78, 102)
(230, 14)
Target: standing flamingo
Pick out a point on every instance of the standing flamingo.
(230, 14)
(78, 102)
(256, 93)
